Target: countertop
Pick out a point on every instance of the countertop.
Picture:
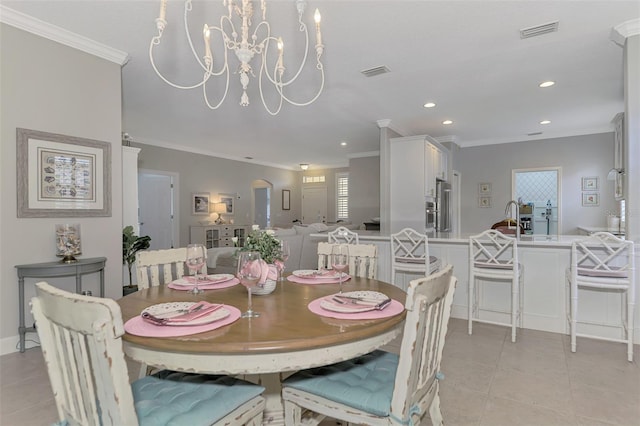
(463, 238)
(593, 229)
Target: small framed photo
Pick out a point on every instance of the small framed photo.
(286, 199)
(200, 203)
(230, 201)
(484, 201)
(590, 183)
(484, 188)
(590, 199)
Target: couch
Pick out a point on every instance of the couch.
(303, 247)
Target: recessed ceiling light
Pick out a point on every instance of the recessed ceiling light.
(429, 105)
(447, 122)
(545, 122)
(547, 83)
(343, 143)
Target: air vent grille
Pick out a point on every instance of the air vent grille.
(534, 134)
(372, 72)
(538, 30)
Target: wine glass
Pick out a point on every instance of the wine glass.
(285, 251)
(340, 260)
(195, 261)
(249, 271)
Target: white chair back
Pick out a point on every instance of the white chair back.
(156, 267)
(428, 306)
(410, 253)
(81, 344)
(342, 235)
(363, 259)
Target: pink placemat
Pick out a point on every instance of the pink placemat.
(394, 308)
(139, 327)
(214, 286)
(302, 280)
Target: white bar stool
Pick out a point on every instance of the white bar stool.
(494, 256)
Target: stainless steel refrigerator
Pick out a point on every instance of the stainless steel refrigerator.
(443, 206)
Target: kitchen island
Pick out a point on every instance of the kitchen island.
(545, 261)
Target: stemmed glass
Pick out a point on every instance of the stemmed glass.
(285, 251)
(195, 261)
(249, 271)
(340, 260)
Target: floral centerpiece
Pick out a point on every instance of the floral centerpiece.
(265, 243)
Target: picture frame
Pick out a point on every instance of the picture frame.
(200, 203)
(230, 201)
(590, 199)
(62, 176)
(484, 202)
(484, 188)
(590, 183)
(286, 199)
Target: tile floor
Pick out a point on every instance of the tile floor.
(489, 381)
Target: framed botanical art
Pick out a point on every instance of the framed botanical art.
(590, 183)
(484, 188)
(590, 199)
(62, 176)
(286, 199)
(484, 201)
(200, 203)
(229, 200)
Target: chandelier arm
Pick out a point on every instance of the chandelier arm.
(187, 8)
(224, 96)
(264, 103)
(312, 99)
(225, 65)
(156, 41)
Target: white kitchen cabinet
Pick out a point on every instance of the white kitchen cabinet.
(415, 164)
(218, 235)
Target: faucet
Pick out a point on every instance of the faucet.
(506, 212)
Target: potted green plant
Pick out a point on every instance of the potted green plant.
(131, 244)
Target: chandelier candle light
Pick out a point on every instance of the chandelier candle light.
(245, 48)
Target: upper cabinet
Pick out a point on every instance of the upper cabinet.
(416, 163)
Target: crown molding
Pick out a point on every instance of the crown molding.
(627, 29)
(49, 31)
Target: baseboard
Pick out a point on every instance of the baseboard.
(9, 345)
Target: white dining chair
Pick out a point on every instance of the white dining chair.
(81, 338)
(603, 263)
(363, 259)
(410, 253)
(342, 235)
(156, 267)
(493, 256)
(382, 388)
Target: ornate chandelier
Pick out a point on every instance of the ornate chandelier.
(245, 47)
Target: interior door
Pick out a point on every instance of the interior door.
(314, 204)
(157, 212)
(261, 215)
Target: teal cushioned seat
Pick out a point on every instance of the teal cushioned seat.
(365, 383)
(176, 399)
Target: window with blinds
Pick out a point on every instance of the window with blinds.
(342, 196)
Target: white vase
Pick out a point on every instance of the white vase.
(264, 288)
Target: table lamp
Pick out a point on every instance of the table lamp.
(219, 208)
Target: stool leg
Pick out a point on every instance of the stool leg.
(514, 306)
(630, 313)
(574, 315)
(471, 301)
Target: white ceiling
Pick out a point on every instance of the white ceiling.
(467, 56)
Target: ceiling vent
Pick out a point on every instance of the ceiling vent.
(534, 134)
(372, 72)
(538, 30)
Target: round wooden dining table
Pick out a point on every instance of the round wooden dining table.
(287, 336)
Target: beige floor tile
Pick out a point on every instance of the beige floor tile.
(16, 396)
(17, 366)
(524, 358)
(461, 407)
(600, 350)
(467, 375)
(608, 406)
(585, 421)
(542, 391)
(483, 348)
(504, 412)
(41, 413)
(617, 375)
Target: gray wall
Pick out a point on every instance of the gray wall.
(578, 156)
(364, 189)
(202, 173)
(53, 88)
